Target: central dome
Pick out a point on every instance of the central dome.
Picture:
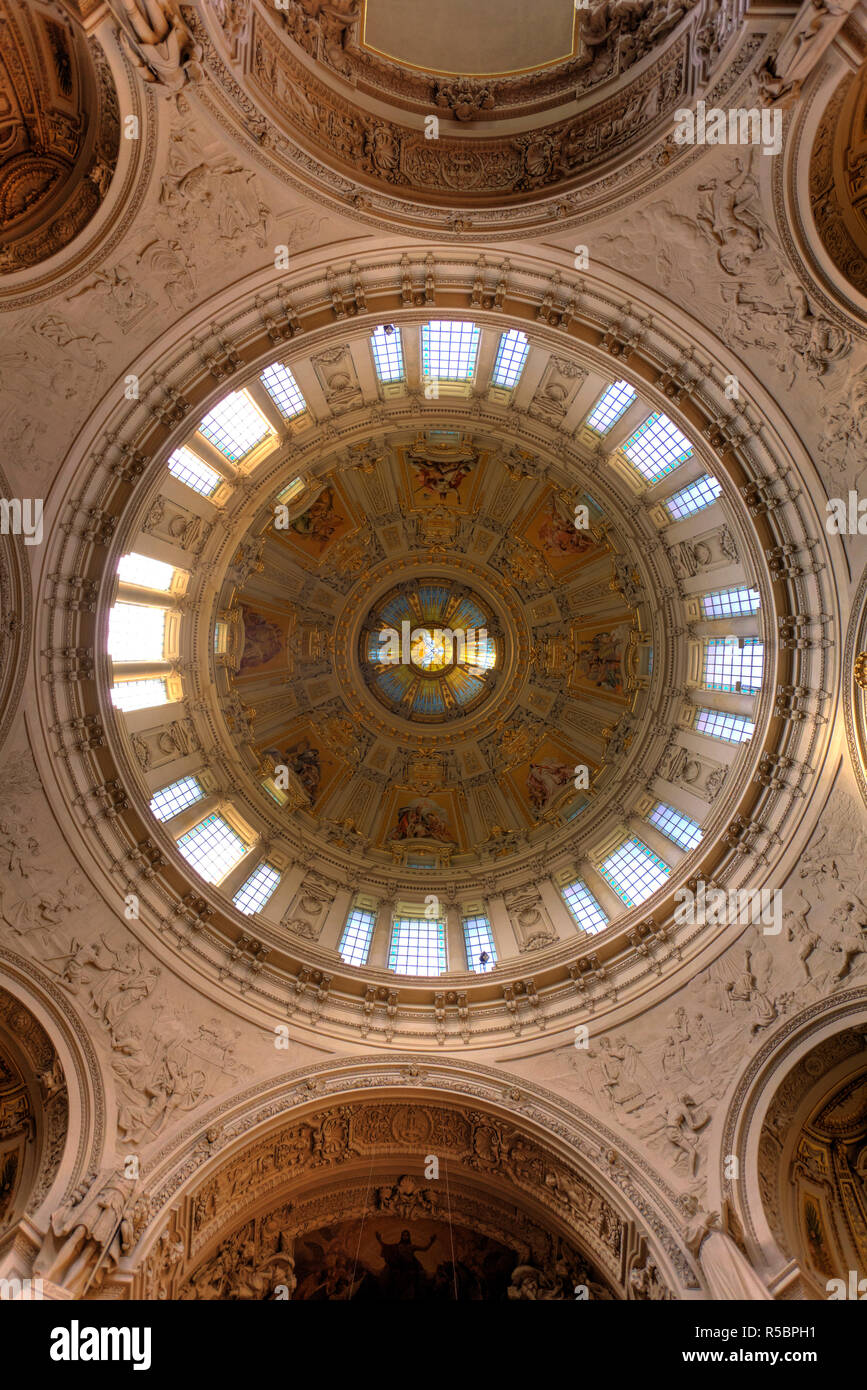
(428, 650)
(443, 649)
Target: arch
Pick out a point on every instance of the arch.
(569, 1174)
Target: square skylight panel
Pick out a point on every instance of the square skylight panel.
(449, 350)
(584, 907)
(283, 390)
(614, 402)
(188, 468)
(387, 354)
(693, 498)
(511, 356)
(235, 426)
(136, 632)
(656, 447)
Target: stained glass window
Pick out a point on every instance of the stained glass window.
(479, 941)
(681, 829)
(656, 447)
(734, 664)
(584, 907)
(449, 350)
(614, 402)
(693, 498)
(212, 848)
(283, 390)
(511, 356)
(357, 935)
(387, 353)
(170, 800)
(418, 946)
(235, 426)
(634, 871)
(254, 894)
(734, 728)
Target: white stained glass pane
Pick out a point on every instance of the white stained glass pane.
(235, 426)
(387, 353)
(418, 947)
(136, 633)
(130, 695)
(480, 652)
(212, 848)
(691, 499)
(150, 574)
(511, 356)
(656, 447)
(634, 871)
(613, 403)
(357, 935)
(283, 390)
(738, 602)
(683, 830)
(479, 940)
(734, 728)
(734, 664)
(584, 907)
(449, 350)
(253, 895)
(188, 468)
(170, 800)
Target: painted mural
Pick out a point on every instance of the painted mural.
(539, 781)
(325, 522)
(265, 636)
(551, 530)
(392, 1260)
(599, 660)
(307, 755)
(443, 473)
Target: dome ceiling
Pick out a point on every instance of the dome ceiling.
(283, 804)
(59, 132)
(348, 670)
(441, 121)
(291, 581)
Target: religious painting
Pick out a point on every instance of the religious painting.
(551, 530)
(441, 474)
(308, 756)
(599, 659)
(392, 1259)
(264, 640)
(325, 522)
(545, 778)
(421, 818)
(408, 816)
